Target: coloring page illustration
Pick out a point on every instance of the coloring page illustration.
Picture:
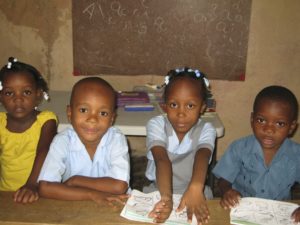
(256, 211)
(139, 205)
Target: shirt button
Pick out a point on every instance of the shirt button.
(262, 190)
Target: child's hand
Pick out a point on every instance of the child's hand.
(296, 215)
(26, 194)
(195, 203)
(162, 210)
(230, 199)
(109, 199)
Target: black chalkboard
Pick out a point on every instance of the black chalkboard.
(132, 37)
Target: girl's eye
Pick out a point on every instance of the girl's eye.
(83, 110)
(27, 92)
(8, 93)
(281, 124)
(173, 105)
(190, 106)
(261, 120)
(104, 114)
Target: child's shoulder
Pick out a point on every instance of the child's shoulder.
(115, 131)
(46, 115)
(291, 148)
(245, 143)
(3, 119)
(2, 115)
(160, 119)
(66, 137)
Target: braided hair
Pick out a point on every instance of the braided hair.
(196, 75)
(14, 66)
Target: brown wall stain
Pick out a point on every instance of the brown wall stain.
(43, 16)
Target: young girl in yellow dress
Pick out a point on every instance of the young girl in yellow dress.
(25, 132)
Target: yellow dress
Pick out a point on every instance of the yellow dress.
(18, 150)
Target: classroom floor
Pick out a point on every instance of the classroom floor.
(138, 167)
(138, 179)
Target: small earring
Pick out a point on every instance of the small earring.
(35, 108)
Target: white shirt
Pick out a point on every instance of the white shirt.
(68, 157)
(161, 133)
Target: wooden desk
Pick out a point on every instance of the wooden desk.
(45, 211)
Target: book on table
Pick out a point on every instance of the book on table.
(140, 204)
(258, 211)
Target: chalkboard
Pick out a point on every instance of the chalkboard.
(133, 37)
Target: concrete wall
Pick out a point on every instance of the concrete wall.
(40, 33)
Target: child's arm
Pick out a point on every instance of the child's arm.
(163, 208)
(28, 193)
(230, 197)
(193, 198)
(103, 184)
(296, 215)
(55, 190)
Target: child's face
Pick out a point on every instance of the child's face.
(184, 104)
(272, 123)
(19, 95)
(91, 112)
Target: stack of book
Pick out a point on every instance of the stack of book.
(132, 98)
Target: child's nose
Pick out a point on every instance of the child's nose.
(93, 117)
(180, 111)
(269, 128)
(18, 98)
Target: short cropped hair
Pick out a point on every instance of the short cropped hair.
(278, 93)
(94, 80)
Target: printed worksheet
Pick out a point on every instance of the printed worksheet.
(139, 205)
(257, 211)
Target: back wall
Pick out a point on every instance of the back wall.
(40, 33)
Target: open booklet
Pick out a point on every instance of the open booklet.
(258, 211)
(139, 205)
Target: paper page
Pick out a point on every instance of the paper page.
(257, 211)
(139, 205)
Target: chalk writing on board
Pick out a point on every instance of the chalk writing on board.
(151, 36)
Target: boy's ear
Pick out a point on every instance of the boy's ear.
(251, 119)
(203, 107)
(293, 127)
(163, 106)
(69, 113)
(113, 118)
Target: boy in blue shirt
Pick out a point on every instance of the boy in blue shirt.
(267, 163)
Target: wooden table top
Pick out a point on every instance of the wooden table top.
(46, 211)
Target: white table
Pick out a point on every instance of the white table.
(130, 123)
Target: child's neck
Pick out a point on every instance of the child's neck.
(180, 136)
(19, 125)
(269, 155)
(91, 149)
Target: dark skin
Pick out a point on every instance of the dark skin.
(19, 97)
(184, 105)
(91, 112)
(272, 123)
